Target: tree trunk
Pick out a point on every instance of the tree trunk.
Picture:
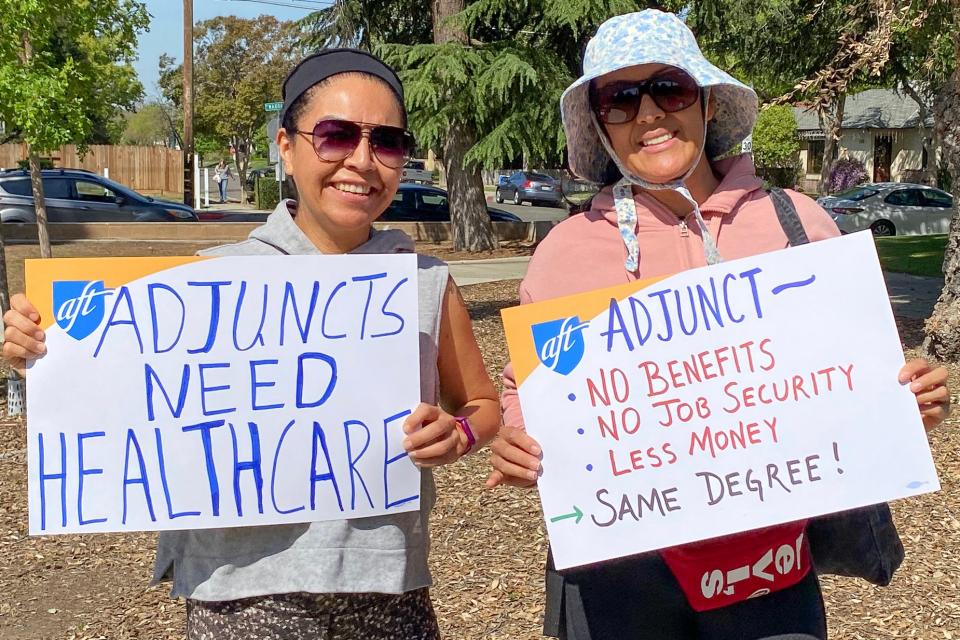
(929, 171)
(831, 121)
(472, 229)
(943, 327)
(242, 161)
(39, 203)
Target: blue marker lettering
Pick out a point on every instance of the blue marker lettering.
(366, 307)
(44, 477)
(726, 298)
(252, 465)
(256, 384)
(258, 337)
(273, 476)
(620, 329)
(150, 375)
(204, 389)
(320, 438)
(141, 479)
(751, 276)
(151, 296)
(326, 309)
(205, 428)
(289, 297)
(85, 472)
(165, 484)
(122, 296)
(353, 462)
(662, 294)
(214, 313)
(301, 403)
(387, 461)
(384, 311)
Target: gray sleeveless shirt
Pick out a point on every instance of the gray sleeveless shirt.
(384, 554)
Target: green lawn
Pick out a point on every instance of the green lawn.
(917, 255)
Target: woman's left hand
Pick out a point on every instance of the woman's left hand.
(929, 385)
(433, 438)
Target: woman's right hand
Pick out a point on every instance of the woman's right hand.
(515, 459)
(23, 337)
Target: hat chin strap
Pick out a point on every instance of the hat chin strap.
(626, 207)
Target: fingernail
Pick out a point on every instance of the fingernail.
(916, 386)
(39, 335)
(42, 348)
(406, 443)
(535, 450)
(532, 475)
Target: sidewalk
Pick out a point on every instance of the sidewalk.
(910, 296)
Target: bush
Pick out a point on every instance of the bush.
(45, 163)
(266, 193)
(845, 173)
(775, 142)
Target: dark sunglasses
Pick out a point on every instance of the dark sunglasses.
(334, 140)
(619, 102)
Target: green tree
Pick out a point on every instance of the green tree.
(486, 91)
(364, 23)
(151, 124)
(775, 142)
(52, 55)
(239, 65)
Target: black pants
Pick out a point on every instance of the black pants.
(637, 598)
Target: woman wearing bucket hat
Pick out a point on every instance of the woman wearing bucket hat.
(650, 118)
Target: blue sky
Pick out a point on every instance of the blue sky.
(166, 26)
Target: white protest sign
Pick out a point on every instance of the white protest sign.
(754, 392)
(186, 393)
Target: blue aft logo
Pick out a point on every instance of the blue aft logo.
(78, 306)
(559, 343)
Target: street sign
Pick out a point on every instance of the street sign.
(273, 125)
(273, 106)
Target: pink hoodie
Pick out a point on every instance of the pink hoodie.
(585, 252)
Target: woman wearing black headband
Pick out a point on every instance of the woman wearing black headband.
(344, 141)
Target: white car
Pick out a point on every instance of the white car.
(891, 208)
(415, 171)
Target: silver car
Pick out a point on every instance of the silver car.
(891, 208)
(74, 195)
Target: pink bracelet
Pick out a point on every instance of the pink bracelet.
(464, 425)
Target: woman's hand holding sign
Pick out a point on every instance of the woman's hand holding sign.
(23, 337)
(929, 385)
(515, 459)
(433, 438)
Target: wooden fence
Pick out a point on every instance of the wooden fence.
(144, 169)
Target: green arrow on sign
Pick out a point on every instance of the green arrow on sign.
(273, 106)
(576, 514)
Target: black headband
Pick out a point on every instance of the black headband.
(330, 62)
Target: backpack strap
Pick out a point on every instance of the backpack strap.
(789, 218)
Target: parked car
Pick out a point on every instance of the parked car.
(74, 195)
(891, 208)
(526, 186)
(253, 174)
(416, 171)
(423, 203)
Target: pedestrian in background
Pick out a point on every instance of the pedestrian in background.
(221, 176)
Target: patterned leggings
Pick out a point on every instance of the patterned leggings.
(326, 616)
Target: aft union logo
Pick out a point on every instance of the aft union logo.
(559, 343)
(78, 306)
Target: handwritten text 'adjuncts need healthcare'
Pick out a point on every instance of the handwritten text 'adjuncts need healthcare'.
(244, 398)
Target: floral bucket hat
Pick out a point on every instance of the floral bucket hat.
(647, 37)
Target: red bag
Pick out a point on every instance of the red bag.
(723, 571)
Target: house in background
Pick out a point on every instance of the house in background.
(881, 128)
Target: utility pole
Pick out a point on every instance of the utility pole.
(188, 185)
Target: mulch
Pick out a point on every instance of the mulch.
(488, 550)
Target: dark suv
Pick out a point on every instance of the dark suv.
(526, 186)
(74, 195)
